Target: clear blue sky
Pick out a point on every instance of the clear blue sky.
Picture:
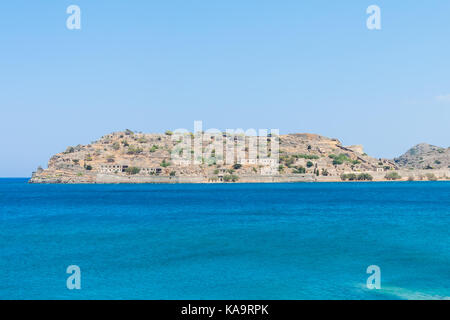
(299, 66)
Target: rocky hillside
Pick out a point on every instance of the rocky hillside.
(425, 156)
(124, 154)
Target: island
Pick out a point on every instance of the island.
(136, 157)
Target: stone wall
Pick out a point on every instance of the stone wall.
(112, 178)
(417, 175)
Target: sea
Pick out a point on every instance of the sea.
(354, 240)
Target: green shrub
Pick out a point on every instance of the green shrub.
(154, 148)
(306, 156)
(340, 159)
(172, 173)
(134, 150)
(325, 172)
(132, 170)
(309, 164)
(349, 177)
(392, 176)
(431, 177)
(230, 178)
(299, 170)
(289, 162)
(237, 166)
(169, 133)
(88, 167)
(116, 146)
(364, 177)
(165, 164)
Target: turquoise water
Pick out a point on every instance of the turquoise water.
(232, 241)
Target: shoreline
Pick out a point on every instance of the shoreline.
(231, 183)
(114, 179)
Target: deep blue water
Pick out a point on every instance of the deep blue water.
(225, 241)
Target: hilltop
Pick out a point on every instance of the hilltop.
(425, 156)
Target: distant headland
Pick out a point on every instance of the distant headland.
(132, 157)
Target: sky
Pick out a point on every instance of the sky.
(297, 66)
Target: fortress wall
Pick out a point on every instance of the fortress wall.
(277, 178)
(377, 176)
(112, 178)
